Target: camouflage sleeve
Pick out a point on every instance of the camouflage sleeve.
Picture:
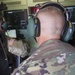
(18, 48)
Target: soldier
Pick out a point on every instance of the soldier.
(53, 57)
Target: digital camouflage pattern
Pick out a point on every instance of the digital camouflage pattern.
(17, 47)
(52, 58)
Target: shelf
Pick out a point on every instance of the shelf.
(15, 4)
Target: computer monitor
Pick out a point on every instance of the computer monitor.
(16, 19)
(11, 33)
(71, 13)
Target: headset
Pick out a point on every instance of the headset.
(3, 23)
(68, 27)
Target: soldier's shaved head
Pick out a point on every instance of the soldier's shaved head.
(52, 21)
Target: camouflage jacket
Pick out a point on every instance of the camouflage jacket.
(52, 58)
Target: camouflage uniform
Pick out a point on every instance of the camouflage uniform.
(18, 47)
(52, 58)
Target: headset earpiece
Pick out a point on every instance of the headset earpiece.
(37, 27)
(68, 29)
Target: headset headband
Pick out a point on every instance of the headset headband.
(46, 4)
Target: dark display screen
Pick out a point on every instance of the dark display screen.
(16, 18)
(73, 16)
(71, 12)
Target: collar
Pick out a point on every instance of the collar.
(49, 42)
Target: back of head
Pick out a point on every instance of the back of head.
(52, 20)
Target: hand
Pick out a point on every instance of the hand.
(10, 42)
